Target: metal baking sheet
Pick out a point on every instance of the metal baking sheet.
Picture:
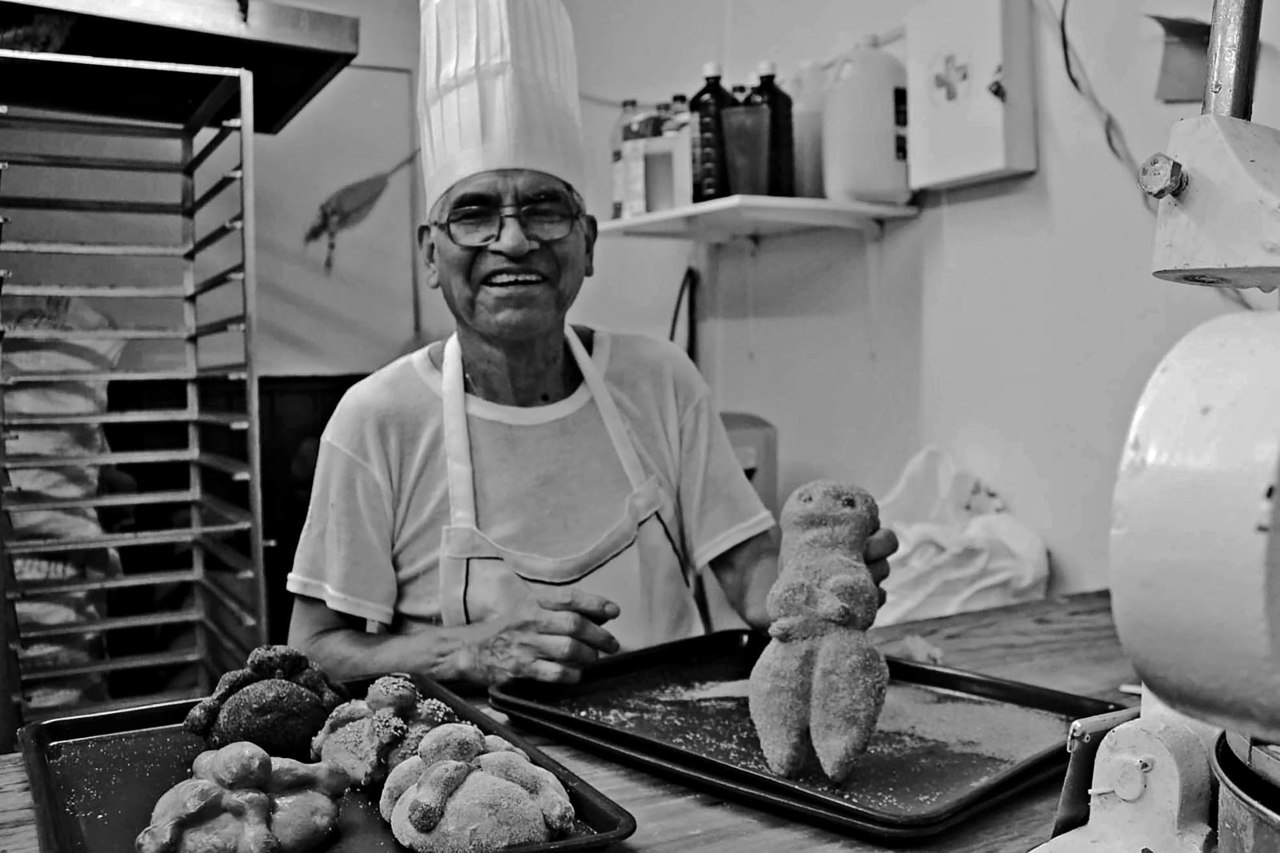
(948, 745)
(95, 779)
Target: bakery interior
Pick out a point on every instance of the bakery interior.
(1008, 266)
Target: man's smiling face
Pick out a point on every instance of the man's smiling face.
(516, 287)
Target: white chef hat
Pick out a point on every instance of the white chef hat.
(498, 89)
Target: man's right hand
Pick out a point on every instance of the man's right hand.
(549, 636)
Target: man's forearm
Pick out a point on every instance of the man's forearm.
(346, 652)
(746, 573)
(759, 582)
(438, 653)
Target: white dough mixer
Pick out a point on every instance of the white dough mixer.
(1195, 539)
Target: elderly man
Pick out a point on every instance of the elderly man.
(527, 495)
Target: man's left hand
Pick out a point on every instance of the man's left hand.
(881, 545)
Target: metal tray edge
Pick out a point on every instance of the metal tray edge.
(1047, 762)
(889, 834)
(933, 675)
(32, 741)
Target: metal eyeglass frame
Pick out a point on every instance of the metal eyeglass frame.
(510, 211)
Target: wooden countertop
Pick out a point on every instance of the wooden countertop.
(1065, 644)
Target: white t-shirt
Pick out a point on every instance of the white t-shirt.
(547, 478)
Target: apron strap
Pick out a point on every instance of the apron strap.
(608, 409)
(457, 441)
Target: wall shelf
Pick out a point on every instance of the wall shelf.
(738, 216)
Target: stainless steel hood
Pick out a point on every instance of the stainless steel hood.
(292, 52)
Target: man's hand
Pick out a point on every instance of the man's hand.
(547, 637)
(881, 545)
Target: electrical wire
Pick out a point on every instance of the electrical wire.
(1066, 46)
(1111, 129)
(688, 287)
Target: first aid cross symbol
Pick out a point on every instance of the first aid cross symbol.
(952, 75)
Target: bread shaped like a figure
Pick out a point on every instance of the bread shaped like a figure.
(819, 686)
(278, 700)
(465, 792)
(368, 737)
(239, 799)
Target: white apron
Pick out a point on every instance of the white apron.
(635, 563)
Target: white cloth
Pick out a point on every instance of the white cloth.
(548, 478)
(959, 548)
(497, 89)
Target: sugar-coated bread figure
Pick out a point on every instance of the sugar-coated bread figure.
(819, 686)
(239, 799)
(465, 792)
(368, 737)
(278, 700)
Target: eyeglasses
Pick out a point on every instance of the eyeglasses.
(544, 222)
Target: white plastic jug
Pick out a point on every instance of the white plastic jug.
(864, 142)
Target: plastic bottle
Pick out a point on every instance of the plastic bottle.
(642, 124)
(782, 153)
(710, 180)
(864, 143)
(661, 116)
(680, 115)
(806, 120)
(618, 169)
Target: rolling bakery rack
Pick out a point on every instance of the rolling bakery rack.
(184, 569)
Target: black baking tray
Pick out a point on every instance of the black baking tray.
(948, 745)
(95, 779)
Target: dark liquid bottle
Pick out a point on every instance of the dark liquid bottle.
(710, 177)
(782, 155)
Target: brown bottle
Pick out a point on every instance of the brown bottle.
(782, 156)
(710, 178)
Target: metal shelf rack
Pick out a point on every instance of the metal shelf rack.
(212, 534)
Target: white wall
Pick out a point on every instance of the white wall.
(1014, 324)
(360, 314)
